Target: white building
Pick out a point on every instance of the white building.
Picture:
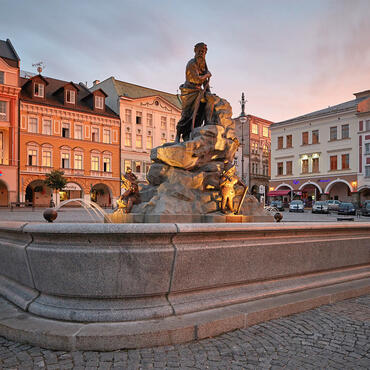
(148, 119)
(323, 154)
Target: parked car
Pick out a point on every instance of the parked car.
(365, 209)
(296, 206)
(346, 209)
(320, 207)
(278, 204)
(333, 205)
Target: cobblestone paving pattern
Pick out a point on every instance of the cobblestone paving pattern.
(335, 336)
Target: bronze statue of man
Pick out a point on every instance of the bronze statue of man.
(197, 102)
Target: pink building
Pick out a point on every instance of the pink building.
(9, 92)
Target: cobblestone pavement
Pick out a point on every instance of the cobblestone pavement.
(334, 336)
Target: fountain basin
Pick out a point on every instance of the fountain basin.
(141, 273)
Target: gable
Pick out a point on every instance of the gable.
(157, 103)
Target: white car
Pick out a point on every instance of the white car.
(320, 207)
(296, 206)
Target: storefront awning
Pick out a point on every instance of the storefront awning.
(276, 193)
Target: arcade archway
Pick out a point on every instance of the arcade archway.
(4, 194)
(38, 194)
(101, 194)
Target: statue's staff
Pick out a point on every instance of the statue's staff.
(242, 199)
(197, 103)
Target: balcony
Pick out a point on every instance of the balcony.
(100, 174)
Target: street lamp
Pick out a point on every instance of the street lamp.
(243, 120)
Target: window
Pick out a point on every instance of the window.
(304, 165)
(1, 77)
(367, 171)
(99, 102)
(46, 158)
(315, 165)
(172, 124)
(333, 163)
(289, 167)
(32, 157)
(3, 111)
(280, 168)
(128, 115)
(333, 133)
(32, 125)
(107, 164)
(265, 150)
(128, 139)
(345, 161)
(138, 117)
(280, 142)
(127, 164)
(149, 120)
(345, 131)
(139, 141)
(1, 148)
(163, 139)
(95, 134)
(106, 136)
(94, 163)
(367, 125)
(149, 142)
(46, 127)
(78, 162)
(266, 170)
(315, 137)
(304, 138)
(367, 148)
(146, 167)
(39, 90)
(65, 160)
(164, 123)
(265, 131)
(137, 166)
(254, 128)
(289, 141)
(65, 130)
(254, 147)
(78, 132)
(70, 96)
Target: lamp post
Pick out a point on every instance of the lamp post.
(243, 120)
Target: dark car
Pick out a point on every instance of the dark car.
(346, 209)
(365, 209)
(278, 204)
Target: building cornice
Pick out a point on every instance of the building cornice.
(71, 114)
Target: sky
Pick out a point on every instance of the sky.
(289, 57)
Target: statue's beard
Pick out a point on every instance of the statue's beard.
(201, 62)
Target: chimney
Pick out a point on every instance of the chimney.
(96, 82)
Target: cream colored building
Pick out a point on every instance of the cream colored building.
(148, 119)
(317, 155)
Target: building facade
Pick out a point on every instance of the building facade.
(64, 126)
(148, 119)
(317, 155)
(9, 97)
(256, 166)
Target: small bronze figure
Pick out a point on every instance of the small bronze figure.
(197, 103)
(131, 195)
(228, 181)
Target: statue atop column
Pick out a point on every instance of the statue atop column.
(196, 98)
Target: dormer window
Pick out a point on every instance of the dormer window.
(70, 96)
(99, 102)
(38, 90)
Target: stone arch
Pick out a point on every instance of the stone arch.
(327, 189)
(310, 183)
(4, 194)
(102, 194)
(281, 185)
(37, 193)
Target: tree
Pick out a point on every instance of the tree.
(56, 181)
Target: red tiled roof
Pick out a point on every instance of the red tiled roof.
(54, 100)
